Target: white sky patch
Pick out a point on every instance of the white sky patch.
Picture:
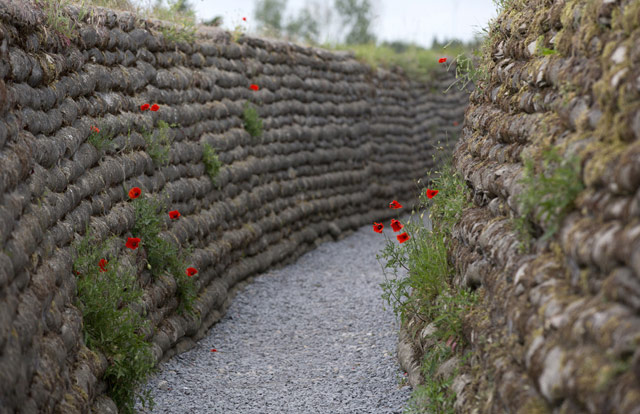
(409, 20)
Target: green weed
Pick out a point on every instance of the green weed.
(109, 325)
(549, 194)
(163, 257)
(252, 121)
(56, 19)
(211, 161)
(102, 139)
(435, 396)
(158, 143)
(541, 50)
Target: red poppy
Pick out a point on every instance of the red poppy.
(442, 60)
(95, 129)
(431, 193)
(377, 227)
(396, 225)
(254, 87)
(154, 107)
(455, 123)
(144, 107)
(174, 214)
(395, 204)
(103, 264)
(403, 237)
(191, 271)
(134, 192)
(244, 18)
(214, 350)
(132, 242)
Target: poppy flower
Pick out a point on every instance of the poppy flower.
(103, 264)
(395, 204)
(455, 123)
(377, 227)
(254, 87)
(174, 214)
(95, 129)
(134, 192)
(244, 19)
(442, 60)
(431, 193)
(154, 107)
(214, 350)
(191, 271)
(133, 242)
(396, 225)
(403, 237)
(144, 107)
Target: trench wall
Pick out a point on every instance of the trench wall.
(340, 142)
(557, 328)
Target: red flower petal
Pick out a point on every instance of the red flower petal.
(144, 107)
(191, 271)
(132, 243)
(214, 350)
(455, 123)
(396, 225)
(154, 107)
(431, 193)
(95, 129)
(403, 237)
(377, 227)
(174, 214)
(103, 265)
(135, 192)
(395, 204)
(442, 60)
(244, 18)
(254, 87)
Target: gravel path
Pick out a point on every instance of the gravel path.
(311, 337)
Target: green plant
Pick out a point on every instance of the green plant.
(162, 255)
(548, 195)
(109, 325)
(211, 161)
(435, 395)
(56, 19)
(101, 139)
(158, 143)
(252, 121)
(541, 50)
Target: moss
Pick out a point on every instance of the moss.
(535, 405)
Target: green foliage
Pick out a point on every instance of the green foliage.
(158, 143)
(101, 140)
(426, 291)
(211, 161)
(305, 27)
(541, 50)
(357, 16)
(252, 121)
(268, 14)
(549, 194)
(163, 256)
(435, 395)
(417, 62)
(109, 325)
(56, 19)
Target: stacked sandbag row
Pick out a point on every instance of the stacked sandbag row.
(557, 328)
(316, 173)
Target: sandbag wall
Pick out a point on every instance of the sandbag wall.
(557, 327)
(340, 142)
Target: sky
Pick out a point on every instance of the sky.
(416, 21)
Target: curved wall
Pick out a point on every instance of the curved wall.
(340, 142)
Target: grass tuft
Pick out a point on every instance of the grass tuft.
(211, 161)
(158, 143)
(547, 196)
(252, 121)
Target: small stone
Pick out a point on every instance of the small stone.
(163, 385)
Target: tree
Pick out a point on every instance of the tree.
(357, 15)
(305, 27)
(269, 16)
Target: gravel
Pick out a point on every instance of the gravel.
(311, 337)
